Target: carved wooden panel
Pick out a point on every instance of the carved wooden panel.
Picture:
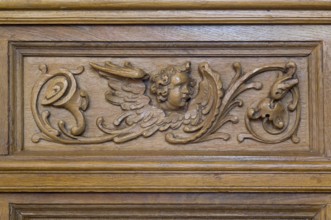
(186, 97)
(201, 105)
(183, 109)
(118, 109)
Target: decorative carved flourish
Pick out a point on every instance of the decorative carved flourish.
(167, 100)
(59, 89)
(273, 112)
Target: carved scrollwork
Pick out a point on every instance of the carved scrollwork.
(167, 100)
(274, 113)
(59, 89)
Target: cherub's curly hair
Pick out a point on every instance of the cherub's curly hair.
(160, 81)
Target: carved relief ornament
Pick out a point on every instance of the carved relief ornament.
(169, 101)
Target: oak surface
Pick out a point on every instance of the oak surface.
(165, 4)
(255, 45)
(150, 177)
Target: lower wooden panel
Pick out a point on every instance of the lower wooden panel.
(176, 211)
(165, 206)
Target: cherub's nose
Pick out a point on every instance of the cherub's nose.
(185, 90)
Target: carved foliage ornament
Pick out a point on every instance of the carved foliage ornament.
(169, 100)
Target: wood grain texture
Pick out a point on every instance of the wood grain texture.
(53, 168)
(146, 51)
(161, 50)
(149, 179)
(166, 4)
(177, 181)
(4, 99)
(189, 17)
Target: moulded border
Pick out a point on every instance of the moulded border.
(33, 172)
(169, 211)
(312, 50)
(165, 12)
(165, 4)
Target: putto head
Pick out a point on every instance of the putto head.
(173, 86)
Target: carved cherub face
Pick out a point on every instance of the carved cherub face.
(173, 86)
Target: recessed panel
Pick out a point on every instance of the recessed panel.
(166, 98)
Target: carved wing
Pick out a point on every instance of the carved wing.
(128, 71)
(139, 117)
(209, 86)
(203, 109)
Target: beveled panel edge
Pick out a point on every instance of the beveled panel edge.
(16, 103)
(4, 99)
(161, 211)
(316, 95)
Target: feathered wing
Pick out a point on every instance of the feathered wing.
(139, 117)
(203, 110)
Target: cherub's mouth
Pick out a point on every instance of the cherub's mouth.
(186, 98)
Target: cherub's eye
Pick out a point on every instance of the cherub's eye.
(193, 82)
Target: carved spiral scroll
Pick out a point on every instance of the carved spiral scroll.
(60, 90)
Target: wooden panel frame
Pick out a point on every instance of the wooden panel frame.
(165, 12)
(313, 50)
(166, 206)
(29, 173)
(21, 171)
(165, 211)
(268, 17)
(165, 4)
